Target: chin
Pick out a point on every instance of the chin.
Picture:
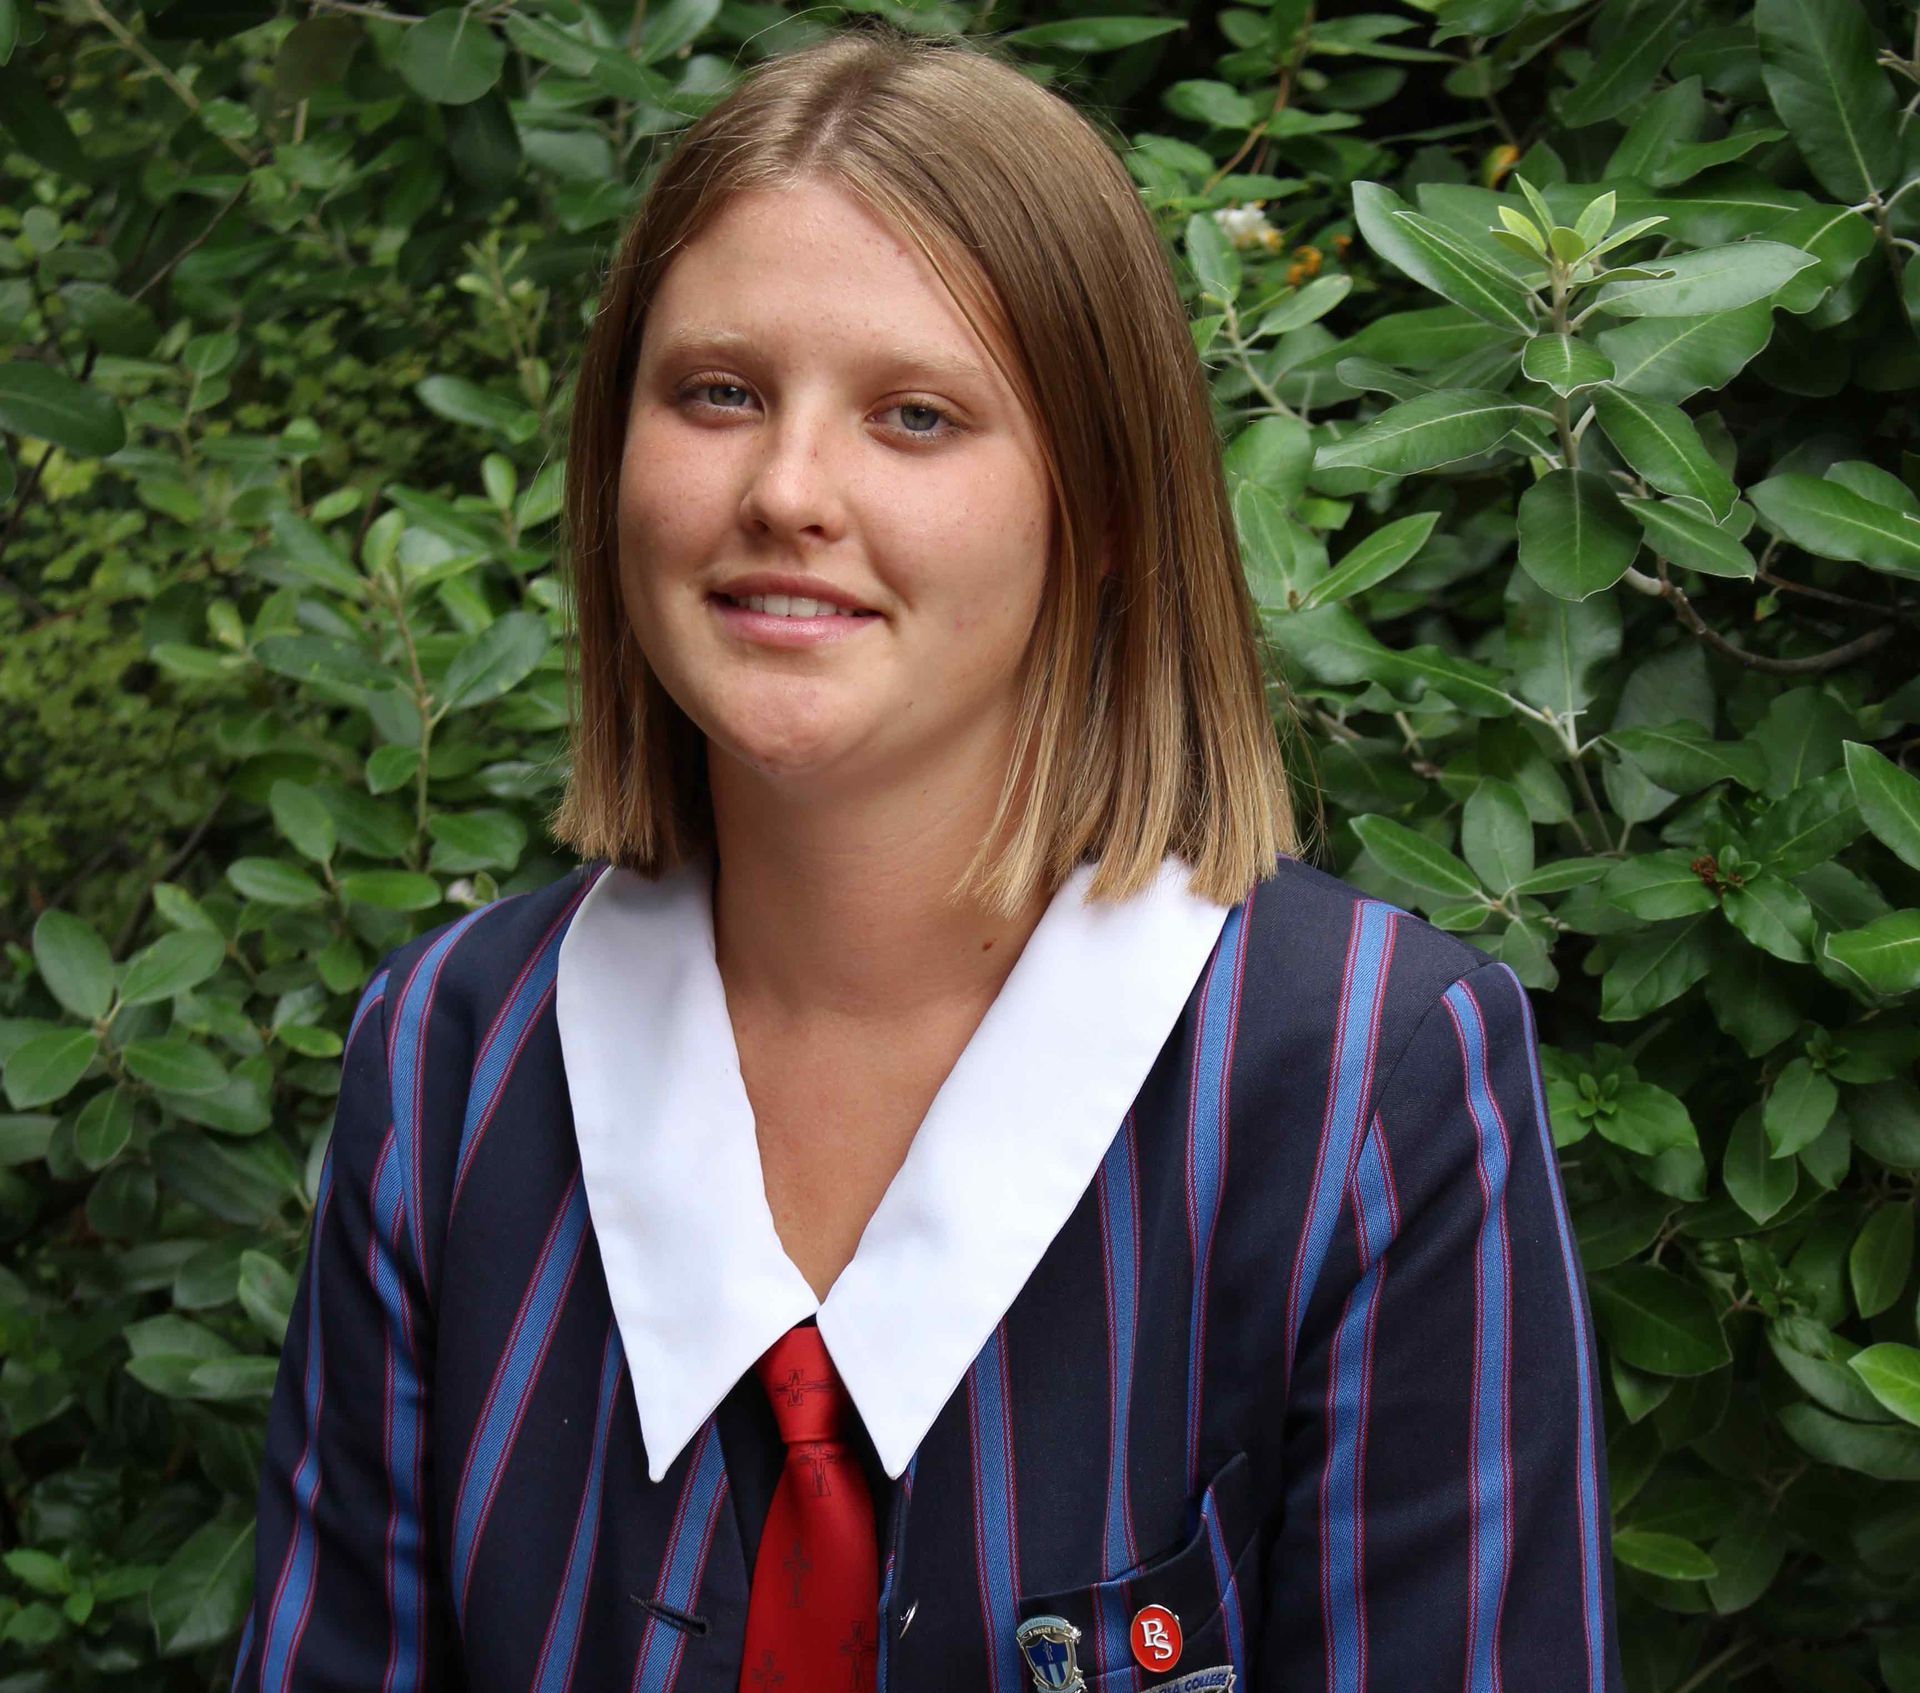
(790, 750)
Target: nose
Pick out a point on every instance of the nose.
(794, 485)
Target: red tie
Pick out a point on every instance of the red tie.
(814, 1606)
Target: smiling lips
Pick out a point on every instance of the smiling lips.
(793, 605)
(789, 620)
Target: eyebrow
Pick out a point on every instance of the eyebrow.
(892, 355)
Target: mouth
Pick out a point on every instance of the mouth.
(789, 621)
(795, 606)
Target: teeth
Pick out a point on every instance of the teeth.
(790, 605)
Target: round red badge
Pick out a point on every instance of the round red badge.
(1156, 1638)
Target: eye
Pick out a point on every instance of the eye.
(920, 409)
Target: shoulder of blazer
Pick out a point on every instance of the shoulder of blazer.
(466, 971)
(459, 1004)
(1309, 931)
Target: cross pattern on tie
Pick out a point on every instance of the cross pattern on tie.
(812, 1612)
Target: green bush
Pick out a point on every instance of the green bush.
(1563, 357)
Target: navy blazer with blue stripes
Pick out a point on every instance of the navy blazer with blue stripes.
(1311, 1364)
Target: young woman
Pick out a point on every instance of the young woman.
(943, 1197)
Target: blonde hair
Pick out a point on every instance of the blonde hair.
(1143, 727)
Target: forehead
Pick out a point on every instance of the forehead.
(811, 268)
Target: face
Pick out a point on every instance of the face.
(810, 403)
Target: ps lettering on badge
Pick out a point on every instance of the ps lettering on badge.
(1155, 1638)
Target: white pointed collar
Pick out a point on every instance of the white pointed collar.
(700, 1283)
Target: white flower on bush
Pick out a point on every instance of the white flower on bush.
(1247, 226)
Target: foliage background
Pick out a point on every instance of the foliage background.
(1599, 594)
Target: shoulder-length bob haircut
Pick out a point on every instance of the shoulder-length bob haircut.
(1143, 727)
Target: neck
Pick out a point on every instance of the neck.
(837, 904)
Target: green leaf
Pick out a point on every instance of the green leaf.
(1660, 441)
(1654, 968)
(1275, 453)
(1882, 1257)
(1808, 825)
(175, 1064)
(1216, 265)
(302, 819)
(1757, 1182)
(1717, 279)
(505, 653)
(1596, 217)
(1889, 1454)
(1658, 1322)
(1626, 69)
(1092, 35)
(1575, 538)
(1426, 339)
(1836, 236)
(1656, 886)
(266, 1290)
(1206, 101)
(40, 1571)
(73, 962)
(391, 767)
(1648, 1120)
(1374, 559)
(308, 551)
(1664, 1555)
(461, 401)
(1306, 305)
(1472, 282)
(1331, 645)
(1892, 1375)
(476, 840)
(24, 1137)
(1683, 537)
(37, 400)
(1870, 482)
(677, 24)
(1798, 1107)
(239, 1181)
(1772, 913)
(1564, 363)
(46, 1067)
(1684, 757)
(1884, 1118)
(273, 881)
(391, 890)
(1411, 856)
(1467, 277)
(103, 1128)
(1476, 689)
(1889, 800)
(1674, 358)
(451, 56)
(1884, 954)
(1817, 58)
(172, 964)
(1832, 521)
(1421, 433)
(1557, 648)
(316, 658)
(1496, 834)
(1816, 1358)
(199, 1598)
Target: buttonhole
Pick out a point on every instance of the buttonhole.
(686, 1621)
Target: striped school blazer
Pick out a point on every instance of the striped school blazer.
(1230, 1273)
